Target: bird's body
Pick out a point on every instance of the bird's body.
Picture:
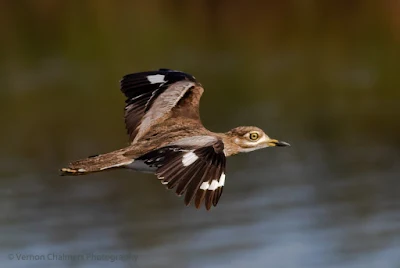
(168, 139)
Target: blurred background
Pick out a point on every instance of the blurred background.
(321, 75)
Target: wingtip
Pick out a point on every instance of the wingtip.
(199, 203)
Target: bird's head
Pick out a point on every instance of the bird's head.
(247, 139)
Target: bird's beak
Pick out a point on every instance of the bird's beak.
(273, 142)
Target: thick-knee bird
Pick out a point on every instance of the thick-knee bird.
(168, 139)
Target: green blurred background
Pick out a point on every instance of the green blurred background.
(322, 75)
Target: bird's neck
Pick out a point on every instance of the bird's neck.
(230, 148)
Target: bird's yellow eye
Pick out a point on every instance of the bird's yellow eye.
(254, 136)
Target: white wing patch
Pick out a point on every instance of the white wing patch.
(222, 180)
(189, 158)
(157, 78)
(204, 185)
(214, 184)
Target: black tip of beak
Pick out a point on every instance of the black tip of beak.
(282, 144)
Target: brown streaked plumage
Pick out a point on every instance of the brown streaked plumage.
(168, 139)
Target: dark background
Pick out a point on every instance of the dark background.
(322, 75)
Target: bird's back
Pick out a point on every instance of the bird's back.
(166, 133)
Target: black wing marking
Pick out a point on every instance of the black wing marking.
(199, 173)
(142, 89)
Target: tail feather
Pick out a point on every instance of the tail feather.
(96, 164)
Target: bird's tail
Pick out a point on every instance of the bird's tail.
(97, 163)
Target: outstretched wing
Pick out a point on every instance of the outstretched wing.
(155, 96)
(197, 172)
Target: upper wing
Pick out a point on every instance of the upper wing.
(197, 171)
(153, 96)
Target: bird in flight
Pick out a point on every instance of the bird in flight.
(168, 139)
